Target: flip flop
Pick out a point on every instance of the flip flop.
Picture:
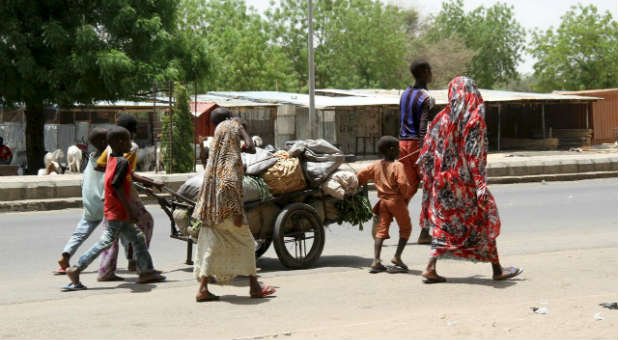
(400, 265)
(429, 280)
(71, 287)
(110, 278)
(156, 278)
(209, 298)
(59, 271)
(513, 272)
(266, 291)
(377, 269)
(396, 269)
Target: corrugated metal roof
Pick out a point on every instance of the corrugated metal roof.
(226, 101)
(321, 102)
(588, 92)
(367, 97)
(441, 96)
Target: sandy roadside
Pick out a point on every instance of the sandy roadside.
(352, 304)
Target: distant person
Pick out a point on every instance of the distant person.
(145, 222)
(415, 105)
(92, 199)
(394, 191)
(6, 156)
(119, 214)
(225, 245)
(459, 208)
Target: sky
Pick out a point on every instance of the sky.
(531, 14)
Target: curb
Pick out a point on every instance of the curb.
(76, 202)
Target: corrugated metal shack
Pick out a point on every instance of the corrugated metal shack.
(66, 127)
(355, 119)
(260, 117)
(604, 114)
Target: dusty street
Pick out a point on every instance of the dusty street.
(563, 234)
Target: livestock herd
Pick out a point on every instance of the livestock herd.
(147, 157)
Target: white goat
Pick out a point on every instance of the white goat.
(74, 159)
(55, 156)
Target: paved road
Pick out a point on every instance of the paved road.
(538, 219)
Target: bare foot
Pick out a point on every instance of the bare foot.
(64, 261)
(73, 274)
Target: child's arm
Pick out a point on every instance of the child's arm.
(405, 188)
(146, 180)
(123, 199)
(366, 175)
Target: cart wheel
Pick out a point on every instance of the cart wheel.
(261, 246)
(298, 236)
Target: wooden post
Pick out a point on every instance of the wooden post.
(543, 120)
(313, 130)
(499, 125)
(587, 116)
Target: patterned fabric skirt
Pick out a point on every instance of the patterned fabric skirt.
(224, 252)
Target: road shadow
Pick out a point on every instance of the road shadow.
(483, 281)
(133, 286)
(186, 270)
(272, 264)
(244, 300)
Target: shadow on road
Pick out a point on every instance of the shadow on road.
(244, 300)
(133, 286)
(271, 264)
(483, 280)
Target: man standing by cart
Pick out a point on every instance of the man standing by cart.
(415, 107)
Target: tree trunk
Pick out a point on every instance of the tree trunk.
(35, 146)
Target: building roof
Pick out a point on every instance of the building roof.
(226, 101)
(588, 92)
(489, 96)
(331, 98)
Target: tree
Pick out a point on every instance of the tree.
(492, 32)
(582, 53)
(448, 58)
(67, 52)
(358, 43)
(181, 151)
(243, 57)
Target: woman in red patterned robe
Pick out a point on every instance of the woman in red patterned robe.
(456, 203)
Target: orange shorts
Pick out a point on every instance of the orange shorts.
(407, 147)
(386, 209)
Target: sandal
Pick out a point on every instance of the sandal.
(71, 287)
(396, 269)
(510, 273)
(266, 291)
(378, 268)
(151, 278)
(59, 271)
(211, 297)
(110, 277)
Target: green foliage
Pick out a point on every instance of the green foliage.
(582, 53)
(59, 52)
(492, 32)
(448, 57)
(182, 148)
(243, 58)
(358, 43)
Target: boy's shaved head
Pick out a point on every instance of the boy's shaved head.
(128, 122)
(419, 67)
(118, 138)
(389, 147)
(96, 134)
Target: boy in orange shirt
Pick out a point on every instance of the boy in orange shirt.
(394, 192)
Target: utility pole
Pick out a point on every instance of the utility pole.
(313, 131)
